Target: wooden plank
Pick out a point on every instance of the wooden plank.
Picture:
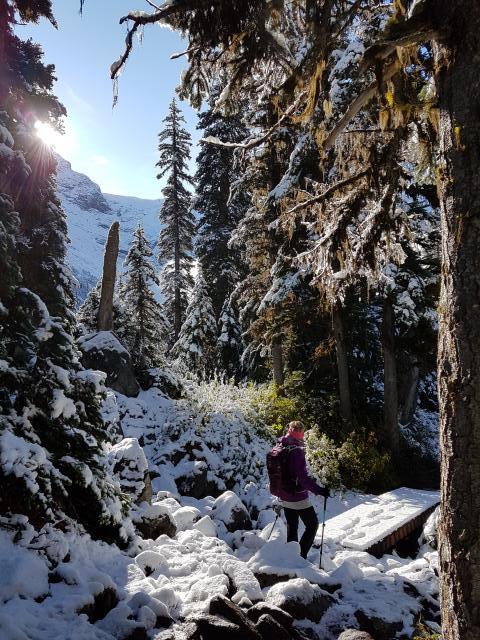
(381, 521)
(389, 542)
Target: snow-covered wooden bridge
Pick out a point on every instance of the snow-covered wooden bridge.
(376, 526)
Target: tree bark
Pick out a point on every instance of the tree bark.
(457, 61)
(105, 310)
(277, 363)
(409, 391)
(391, 429)
(342, 367)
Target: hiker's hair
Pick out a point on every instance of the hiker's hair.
(296, 425)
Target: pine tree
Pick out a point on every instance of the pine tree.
(196, 347)
(176, 237)
(141, 326)
(218, 208)
(230, 344)
(87, 315)
(51, 429)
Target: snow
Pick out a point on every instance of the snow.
(225, 507)
(214, 430)
(185, 517)
(365, 525)
(90, 214)
(101, 341)
(206, 526)
(22, 574)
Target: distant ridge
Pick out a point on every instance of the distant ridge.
(89, 216)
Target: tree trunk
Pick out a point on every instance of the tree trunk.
(277, 363)
(457, 61)
(342, 367)
(105, 310)
(391, 430)
(409, 390)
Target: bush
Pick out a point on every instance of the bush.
(356, 464)
(322, 456)
(362, 465)
(277, 408)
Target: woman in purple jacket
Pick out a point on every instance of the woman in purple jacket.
(295, 502)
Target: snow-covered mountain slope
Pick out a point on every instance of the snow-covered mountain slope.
(90, 214)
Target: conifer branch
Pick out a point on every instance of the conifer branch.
(329, 191)
(254, 142)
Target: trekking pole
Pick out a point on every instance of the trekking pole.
(278, 510)
(323, 531)
(273, 527)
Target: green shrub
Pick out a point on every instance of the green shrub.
(357, 463)
(322, 456)
(277, 407)
(362, 465)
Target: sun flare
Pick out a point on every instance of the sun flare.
(62, 143)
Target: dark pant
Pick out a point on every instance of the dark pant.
(309, 519)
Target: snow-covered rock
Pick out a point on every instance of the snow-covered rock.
(130, 466)
(206, 526)
(229, 509)
(185, 517)
(102, 351)
(153, 520)
(300, 599)
(354, 634)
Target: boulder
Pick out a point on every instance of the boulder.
(102, 351)
(102, 603)
(186, 517)
(215, 628)
(222, 606)
(130, 466)
(271, 629)
(164, 380)
(152, 521)
(243, 581)
(264, 608)
(354, 634)
(300, 599)
(377, 627)
(197, 485)
(206, 526)
(229, 509)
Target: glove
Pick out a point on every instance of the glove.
(324, 491)
(277, 508)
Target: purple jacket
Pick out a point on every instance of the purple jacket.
(297, 468)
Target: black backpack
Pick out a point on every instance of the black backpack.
(278, 472)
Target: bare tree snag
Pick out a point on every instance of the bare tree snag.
(105, 311)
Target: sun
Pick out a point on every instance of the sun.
(47, 133)
(62, 143)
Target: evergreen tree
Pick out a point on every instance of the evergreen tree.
(51, 429)
(87, 315)
(178, 222)
(196, 347)
(141, 326)
(218, 208)
(230, 344)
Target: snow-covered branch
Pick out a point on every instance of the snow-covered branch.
(254, 142)
(328, 192)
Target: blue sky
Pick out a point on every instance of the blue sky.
(116, 148)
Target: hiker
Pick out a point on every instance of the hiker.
(294, 485)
